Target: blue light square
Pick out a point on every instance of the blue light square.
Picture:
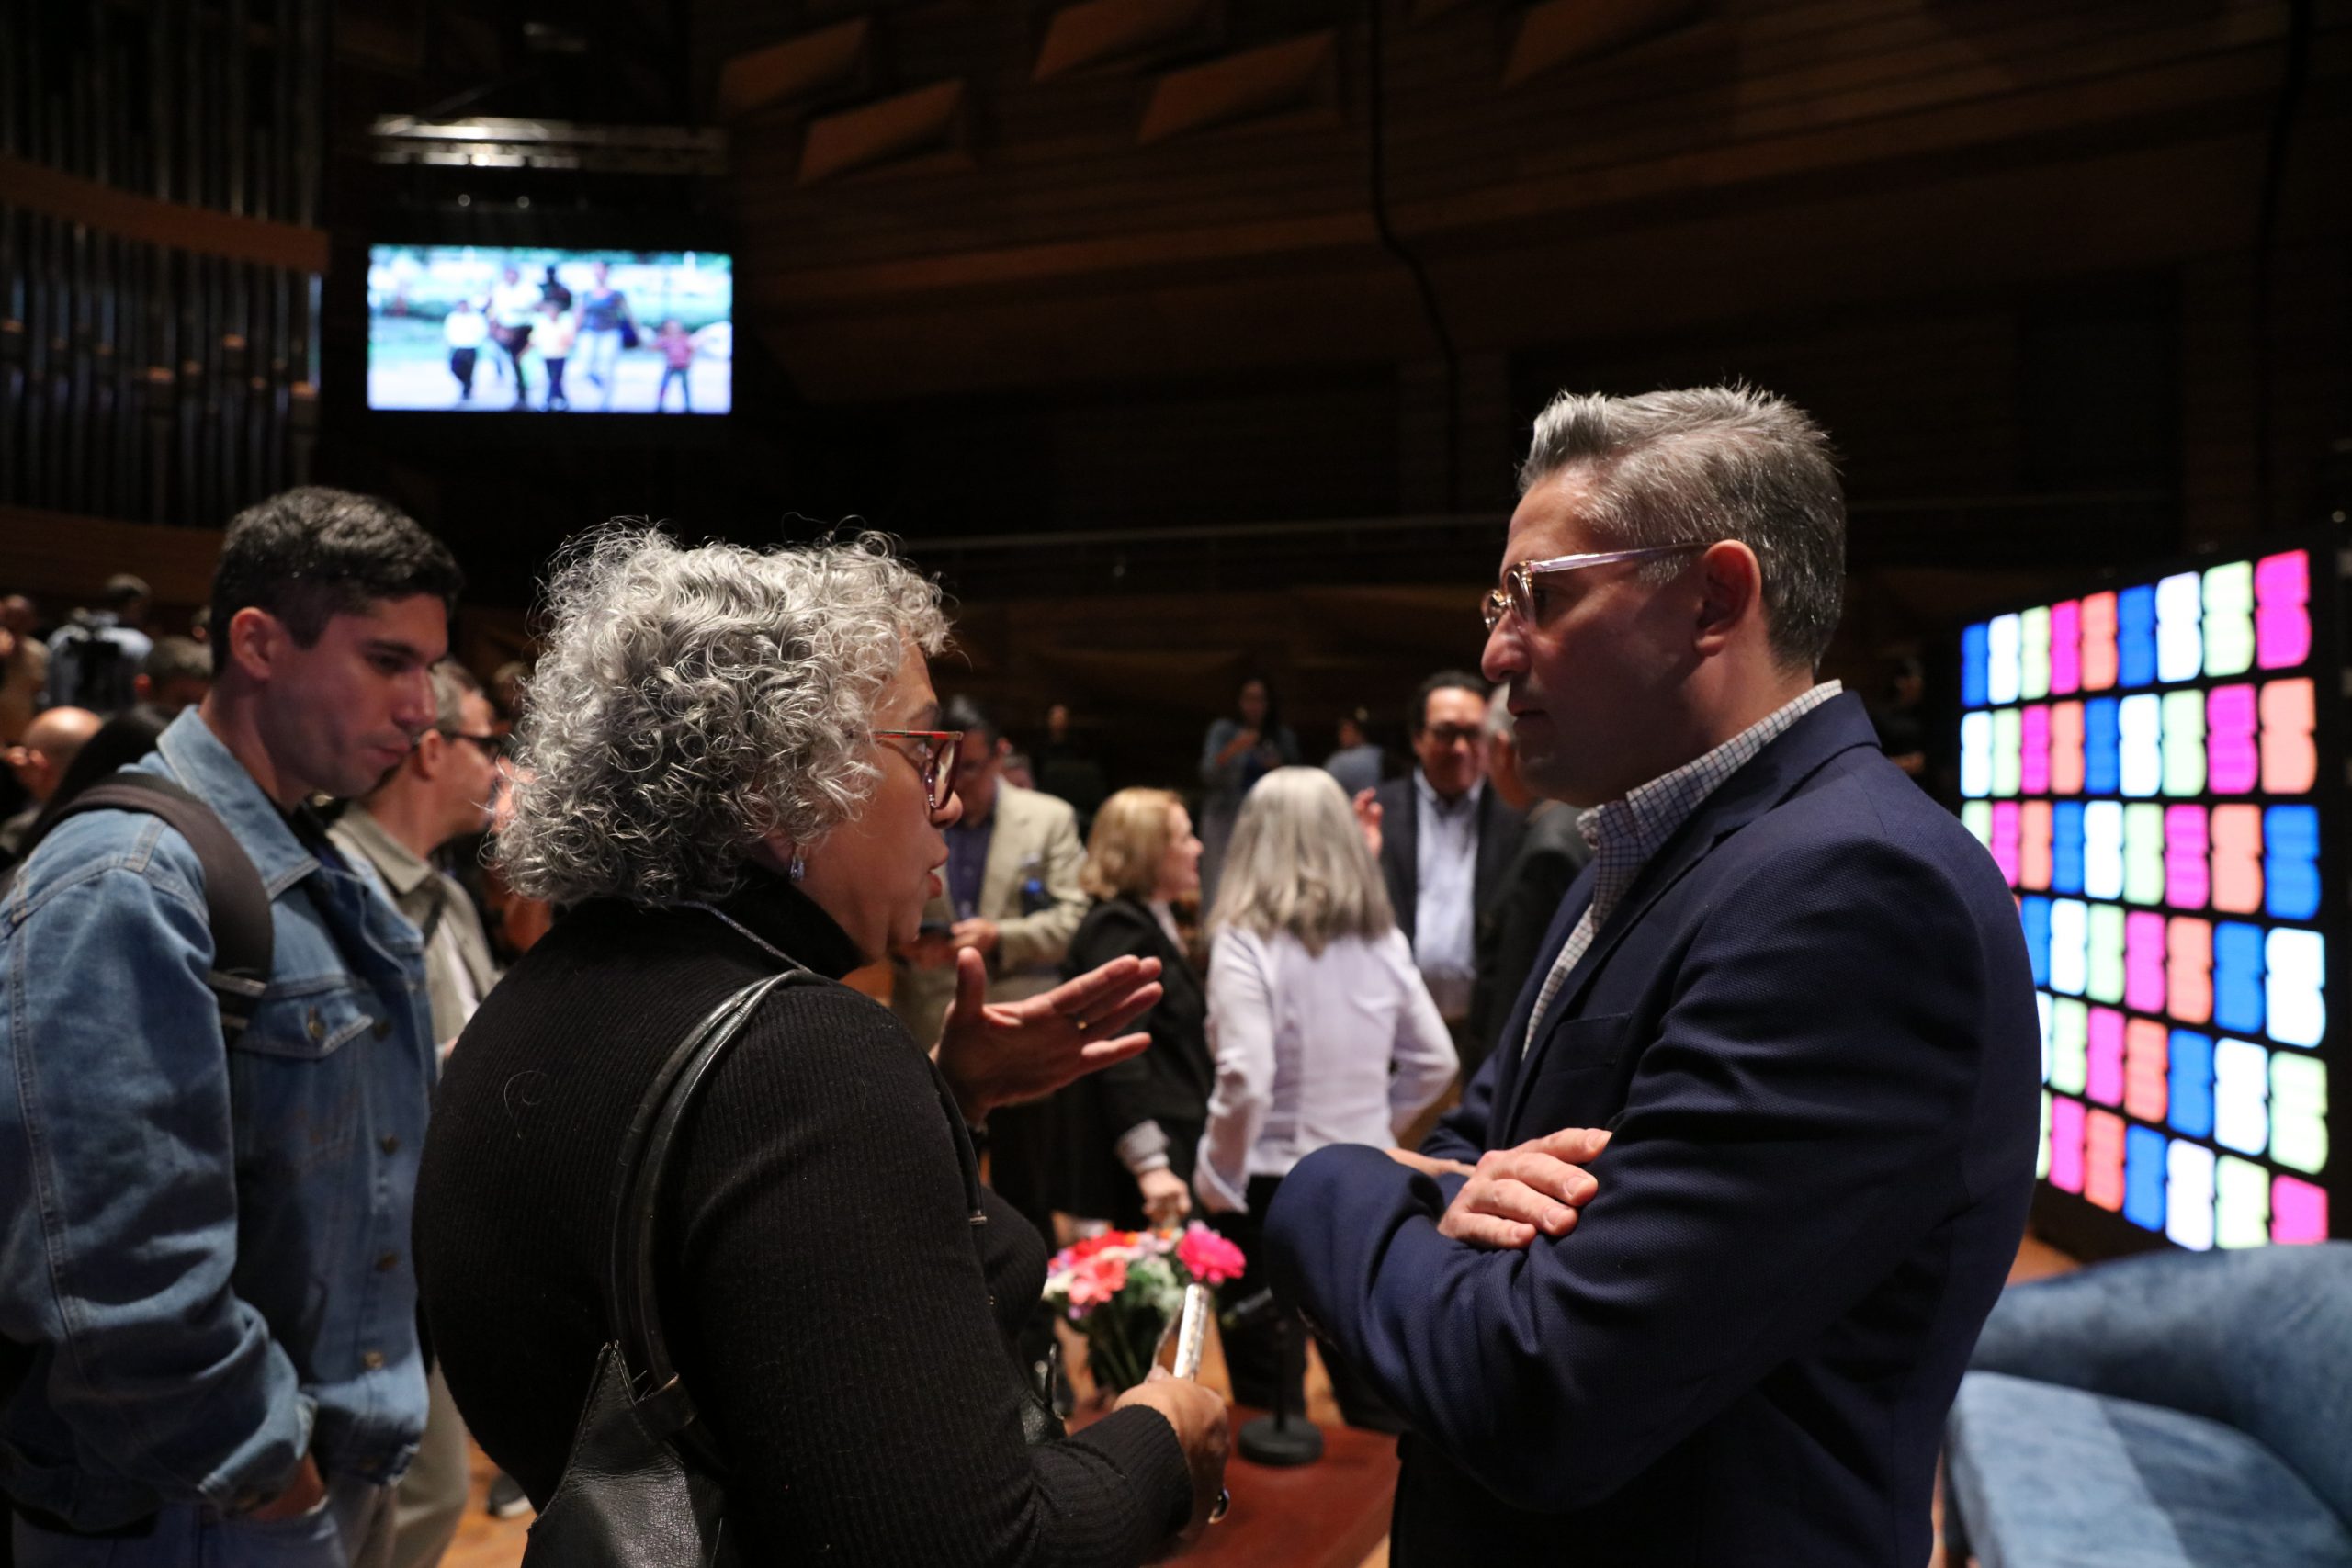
(2188, 1095)
(2135, 637)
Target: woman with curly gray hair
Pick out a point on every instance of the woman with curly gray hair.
(730, 763)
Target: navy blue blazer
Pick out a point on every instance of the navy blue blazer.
(1812, 1027)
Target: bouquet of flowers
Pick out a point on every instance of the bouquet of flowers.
(1123, 1288)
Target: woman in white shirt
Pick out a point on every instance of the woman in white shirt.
(1322, 1030)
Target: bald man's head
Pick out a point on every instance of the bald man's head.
(50, 745)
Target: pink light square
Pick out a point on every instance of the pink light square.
(2232, 759)
(2005, 839)
(2104, 1057)
(2065, 648)
(2065, 1143)
(2298, 1210)
(2187, 878)
(2282, 617)
(2033, 768)
(2143, 961)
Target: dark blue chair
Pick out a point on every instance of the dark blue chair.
(2176, 1410)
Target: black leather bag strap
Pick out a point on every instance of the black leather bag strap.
(632, 1304)
(236, 904)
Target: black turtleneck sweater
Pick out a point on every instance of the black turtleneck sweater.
(846, 1340)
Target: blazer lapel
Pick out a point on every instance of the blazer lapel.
(1176, 976)
(1500, 831)
(1775, 773)
(1007, 846)
(1511, 1044)
(1184, 1003)
(1400, 846)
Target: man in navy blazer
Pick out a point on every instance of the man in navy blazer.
(1691, 1274)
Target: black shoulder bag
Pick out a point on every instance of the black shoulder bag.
(645, 1485)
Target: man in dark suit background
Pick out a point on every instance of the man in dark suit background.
(1446, 840)
(1512, 926)
(1691, 1274)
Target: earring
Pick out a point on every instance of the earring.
(797, 869)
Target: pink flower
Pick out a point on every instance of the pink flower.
(1096, 1280)
(1208, 1256)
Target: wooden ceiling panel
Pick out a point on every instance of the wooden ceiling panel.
(926, 125)
(1292, 82)
(1103, 34)
(1562, 32)
(830, 63)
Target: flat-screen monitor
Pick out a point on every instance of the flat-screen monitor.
(531, 329)
(2156, 769)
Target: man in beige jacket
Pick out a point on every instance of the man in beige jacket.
(441, 791)
(1012, 893)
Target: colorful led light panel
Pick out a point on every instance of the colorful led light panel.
(2143, 765)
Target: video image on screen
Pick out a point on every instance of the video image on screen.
(481, 329)
(2144, 767)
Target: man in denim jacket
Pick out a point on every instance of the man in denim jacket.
(205, 1242)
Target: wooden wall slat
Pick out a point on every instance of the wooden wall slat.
(145, 220)
(67, 557)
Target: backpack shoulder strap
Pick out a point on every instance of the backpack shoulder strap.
(236, 904)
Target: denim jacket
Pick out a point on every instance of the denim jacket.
(207, 1243)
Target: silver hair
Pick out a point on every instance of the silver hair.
(689, 702)
(1708, 464)
(451, 681)
(1297, 862)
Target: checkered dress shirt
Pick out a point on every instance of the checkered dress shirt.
(1625, 833)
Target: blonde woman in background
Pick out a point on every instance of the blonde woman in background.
(1130, 1133)
(1322, 1029)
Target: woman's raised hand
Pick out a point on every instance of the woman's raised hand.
(1166, 1200)
(1002, 1053)
(1368, 816)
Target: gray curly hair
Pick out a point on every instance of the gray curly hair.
(690, 702)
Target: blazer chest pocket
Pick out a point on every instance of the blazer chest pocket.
(1576, 1082)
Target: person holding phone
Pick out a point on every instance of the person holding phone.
(731, 763)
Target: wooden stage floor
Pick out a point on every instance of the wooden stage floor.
(1329, 1514)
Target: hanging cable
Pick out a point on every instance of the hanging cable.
(1376, 115)
(2266, 246)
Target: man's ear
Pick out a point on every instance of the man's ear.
(1731, 593)
(254, 642)
(429, 752)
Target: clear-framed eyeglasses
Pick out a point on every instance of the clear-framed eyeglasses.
(1517, 591)
(935, 762)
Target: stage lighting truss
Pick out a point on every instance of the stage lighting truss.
(484, 142)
